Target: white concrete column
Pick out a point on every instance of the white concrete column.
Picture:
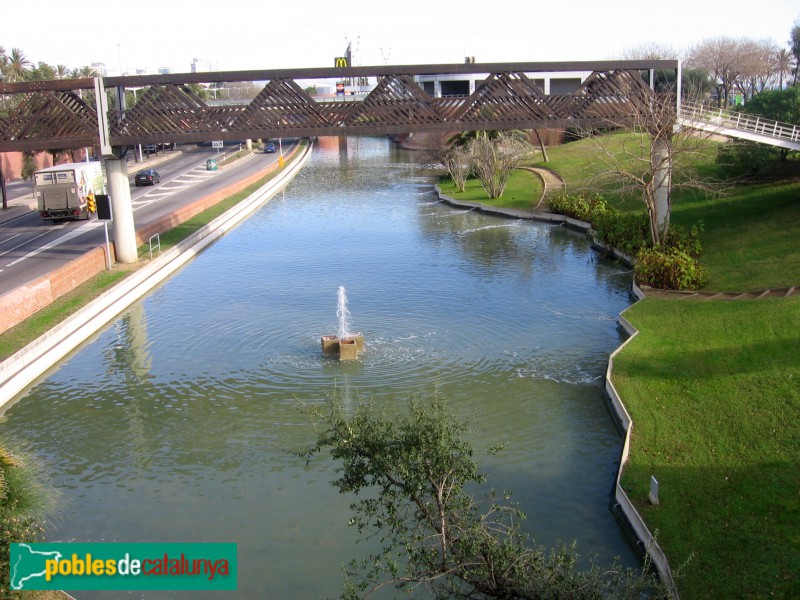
(119, 190)
(661, 156)
(437, 89)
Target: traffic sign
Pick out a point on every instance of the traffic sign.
(103, 207)
(216, 144)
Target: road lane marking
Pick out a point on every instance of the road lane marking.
(57, 242)
(11, 238)
(29, 240)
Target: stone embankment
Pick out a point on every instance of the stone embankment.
(26, 366)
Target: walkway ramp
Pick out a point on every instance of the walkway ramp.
(740, 125)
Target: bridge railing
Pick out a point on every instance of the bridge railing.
(721, 118)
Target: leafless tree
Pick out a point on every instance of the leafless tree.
(757, 66)
(721, 57)
(493, 159)
(655, 157)
(650, 51)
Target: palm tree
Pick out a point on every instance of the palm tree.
(62, 72)
(17, 65)
(794, 44)
(783, 62)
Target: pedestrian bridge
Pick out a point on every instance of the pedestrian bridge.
(740, 125)
(169, 108)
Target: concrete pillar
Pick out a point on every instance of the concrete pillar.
(119, 190)
(249, 145)
(661, 157)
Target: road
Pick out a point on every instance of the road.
(31, 247)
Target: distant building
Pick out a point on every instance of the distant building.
(99, 68)
(164, 71)
(552, 83)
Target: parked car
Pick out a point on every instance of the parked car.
(147, 177)
(150, 148)
(269, 148)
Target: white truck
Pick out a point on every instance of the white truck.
(68, 191)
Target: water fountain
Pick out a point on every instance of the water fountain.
(346, 345)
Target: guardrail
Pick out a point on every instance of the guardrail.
(719, 117)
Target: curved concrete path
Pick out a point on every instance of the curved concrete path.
(551, 182)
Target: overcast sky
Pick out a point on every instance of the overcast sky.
(267, 34)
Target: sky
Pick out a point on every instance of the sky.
(271, 34)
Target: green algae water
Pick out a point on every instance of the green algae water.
(174, 423)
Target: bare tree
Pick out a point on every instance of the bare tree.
(757, 66)
(721, 57)
(650, 51)
(655, 157)
(493, 160)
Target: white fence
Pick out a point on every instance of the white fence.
(729, 123)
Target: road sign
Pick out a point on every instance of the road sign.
(216, 144)
(103, 207)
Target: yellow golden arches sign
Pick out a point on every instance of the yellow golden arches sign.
(340, 61)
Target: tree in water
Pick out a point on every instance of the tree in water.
(408, 472)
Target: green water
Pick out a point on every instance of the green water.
(173, 424)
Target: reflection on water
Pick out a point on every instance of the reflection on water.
(173, 424)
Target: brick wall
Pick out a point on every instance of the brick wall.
(18, 305)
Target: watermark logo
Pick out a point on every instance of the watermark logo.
(120, 566)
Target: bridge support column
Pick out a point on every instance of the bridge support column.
(119, 190)
(661, 157)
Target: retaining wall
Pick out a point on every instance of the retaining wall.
(26, 300)
(24, 368)
(626, 507)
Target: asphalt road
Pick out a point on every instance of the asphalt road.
(31, 247)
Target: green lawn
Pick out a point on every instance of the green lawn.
(523, 191)
(749, 234)
(714, 392)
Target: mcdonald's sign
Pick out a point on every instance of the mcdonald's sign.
(340, 61)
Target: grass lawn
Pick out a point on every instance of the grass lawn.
(523, 191)
(714, 392)
(43, 321)
(749, 234)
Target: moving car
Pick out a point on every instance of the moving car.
(147, 177)
(269, 148)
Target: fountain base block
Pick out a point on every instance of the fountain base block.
(330, 344)
(347, 348)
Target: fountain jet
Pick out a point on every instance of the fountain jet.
(346, 345)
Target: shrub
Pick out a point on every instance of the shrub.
(629, 233)
(685, 241)
(746, 159)
(24, 500)
(579, 206)
(670, 269)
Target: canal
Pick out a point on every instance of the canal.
(174, 423)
